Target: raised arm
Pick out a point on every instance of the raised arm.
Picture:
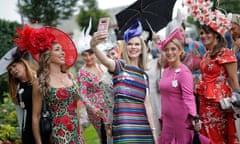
(99, 37)
(36, 113)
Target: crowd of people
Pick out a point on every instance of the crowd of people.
(134, 92)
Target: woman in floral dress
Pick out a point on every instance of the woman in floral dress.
(55, 52)
(89, 79)
(217, 67)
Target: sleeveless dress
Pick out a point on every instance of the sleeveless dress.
(92, 97)
(62, 103)
(27, 133)
(130, 122)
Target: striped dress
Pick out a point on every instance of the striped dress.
(130, 123)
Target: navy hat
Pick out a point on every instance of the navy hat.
(134, 30)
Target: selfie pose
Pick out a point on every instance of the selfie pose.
(132, 119)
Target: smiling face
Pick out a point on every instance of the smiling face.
(172, 52)
(208, 38)
(57, 55)
(134, 48)
(235, 31)
(89, 58)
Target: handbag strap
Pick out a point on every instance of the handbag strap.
(20, 92)
(44, 105)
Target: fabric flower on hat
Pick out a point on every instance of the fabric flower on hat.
(41, 40)
(23, 41)
(37, 40)
(202, 12)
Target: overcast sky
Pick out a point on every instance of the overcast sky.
(8, 9)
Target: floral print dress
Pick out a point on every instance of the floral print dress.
(92, 97)
(62, 103)
(218, 125)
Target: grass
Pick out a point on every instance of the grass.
(90, 136)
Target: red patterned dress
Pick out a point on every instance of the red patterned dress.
(218, 125)
(62, 103)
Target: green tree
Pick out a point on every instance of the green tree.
(47, 12)
(87, 10)
(232, 6)
(7, 32)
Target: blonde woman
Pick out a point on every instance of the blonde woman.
(132, 119)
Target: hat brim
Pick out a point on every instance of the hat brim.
(6, 60)
(67, 44)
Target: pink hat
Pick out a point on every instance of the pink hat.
(175, 34)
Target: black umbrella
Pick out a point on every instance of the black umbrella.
(153, 14)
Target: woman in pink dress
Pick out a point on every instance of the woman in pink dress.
(178, 101)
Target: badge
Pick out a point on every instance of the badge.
(174, 83)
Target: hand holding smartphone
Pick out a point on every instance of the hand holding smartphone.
(103, 24)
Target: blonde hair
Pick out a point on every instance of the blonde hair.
(43, 73)
(179, 44)
(13, 82)
(142, 61)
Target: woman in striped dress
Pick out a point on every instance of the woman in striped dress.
(132, 119)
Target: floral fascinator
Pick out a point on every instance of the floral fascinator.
(134, 30)
(175, 34)
(37, 40)
(202, 12)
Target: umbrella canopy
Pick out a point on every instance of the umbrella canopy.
(153, 14)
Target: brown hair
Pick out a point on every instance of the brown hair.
(13, 82)
(221, 42)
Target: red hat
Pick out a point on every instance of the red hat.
(37, 40)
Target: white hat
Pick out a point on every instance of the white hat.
(175, 23)
(6, 60)
(82, 38)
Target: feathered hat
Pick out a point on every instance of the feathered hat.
(82, 38)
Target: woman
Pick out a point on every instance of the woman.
(20, 79)
(219, 76)
(55, 52)
(132, 119)
(176, 88)
(90, 78)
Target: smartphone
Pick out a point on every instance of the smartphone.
(103, 24)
